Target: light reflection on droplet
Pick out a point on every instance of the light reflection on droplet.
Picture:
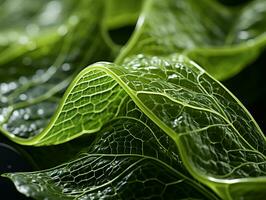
(7, 87)
(172, 76)
(15, 114)
(23, 97)
(62, 30)
(33, 126)
(22, 80)
(2, 118)
(26, 116)
(4, 99)
(243, 35)
(4, 87)
(177, 121)
(51, 13)
(66, 67)
(32, 29)
(23, 40)
(73, 20)
(12, 85)
(16, 131)
(39, 72)
(40, 111)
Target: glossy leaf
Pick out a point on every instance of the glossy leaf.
(34, 80)
(222, 40)
(218, 141)
(162, 128)
(128, 160)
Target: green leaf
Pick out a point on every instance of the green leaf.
(210, 132)
(222, 40)
(128, 160)
(34, 80)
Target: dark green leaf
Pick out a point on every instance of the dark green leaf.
(221, 39)
(219, 143)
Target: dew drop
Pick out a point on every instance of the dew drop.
(40, 111)
(1, 118)
(4, 100)
(73, 20)
(243, 35)
(26, 116)
(4, 87)
(51, 12)
(23, 97)
(33, 126)
(32, 29)
(177, 121)
(12, 85)
(66, 67)
(23, 40)
(62, 30)
(15, 114)
(66, 190)
(22, 80)
(172, 76)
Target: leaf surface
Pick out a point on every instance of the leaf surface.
(221, 39)
(34, 80)
(214, 136)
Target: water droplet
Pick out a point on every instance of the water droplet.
(33, 126)
(136, 65)
(23, 40)
(32, 29)
(243, 35)
(22, 80)
(40, 72)
(12, 85)
(40, 111)
(51, 13)
(4, 88)
(26, 116)
(62, 30)
(15, 113)
(16, 131)
(177, 121)
(172, 76)
(73, 20)
(66, 67)
(2, 118)
(66, 190)
(4, 99)
(23, 97)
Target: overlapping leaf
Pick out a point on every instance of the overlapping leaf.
(128, 160)
(219, 142)
(163, 127)
(34, 80)
(220, 39)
